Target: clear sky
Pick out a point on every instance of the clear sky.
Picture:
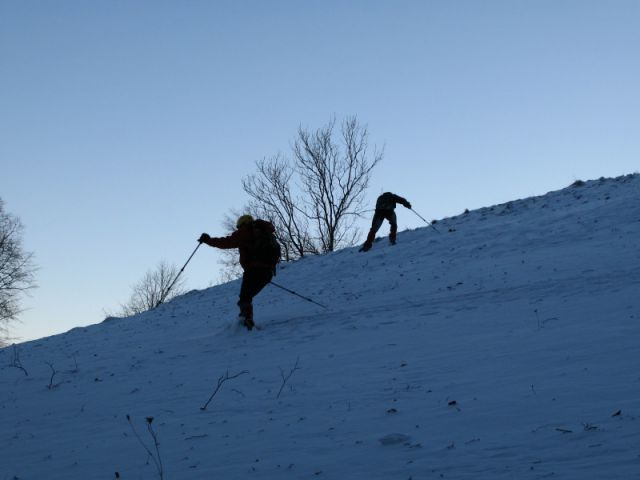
(126, 127)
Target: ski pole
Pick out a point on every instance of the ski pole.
(428, 223)
(164, 295)
(297, 294)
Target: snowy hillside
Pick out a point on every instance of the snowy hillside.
(507, 346)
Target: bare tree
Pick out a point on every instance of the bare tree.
(147, 292)
(335, 177)
(17, 271)
(315, 199)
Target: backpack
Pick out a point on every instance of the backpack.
(386, 201)
(264, 245)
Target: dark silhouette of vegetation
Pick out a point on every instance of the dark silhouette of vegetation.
(146, 294)
(17, 271)
(315, 197)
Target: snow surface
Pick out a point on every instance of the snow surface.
(507, 346)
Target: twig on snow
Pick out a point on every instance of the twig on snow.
(286, 378)
(157, 460)
(51, 385)
(221, 380)
(16, 363)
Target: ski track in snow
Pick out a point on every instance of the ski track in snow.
(505, 347)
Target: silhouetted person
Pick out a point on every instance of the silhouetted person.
(259, 253)
(385, 210)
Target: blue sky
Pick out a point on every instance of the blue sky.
(126, 127)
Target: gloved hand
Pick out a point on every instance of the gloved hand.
(204, 238)
(408, 205)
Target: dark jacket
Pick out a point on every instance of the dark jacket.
(387, 201)
(241, 239)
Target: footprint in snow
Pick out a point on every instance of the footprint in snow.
(394, 439)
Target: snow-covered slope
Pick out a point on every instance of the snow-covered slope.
(505, 346)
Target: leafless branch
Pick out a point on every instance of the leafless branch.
(315, 198)
(16, 363)
(286, 378)
(272, 198)
(147, 293)
(51, 385)
(221, 380)
(17, 271)
(157, 459)
(335, 175)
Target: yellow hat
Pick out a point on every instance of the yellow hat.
(243, 220)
